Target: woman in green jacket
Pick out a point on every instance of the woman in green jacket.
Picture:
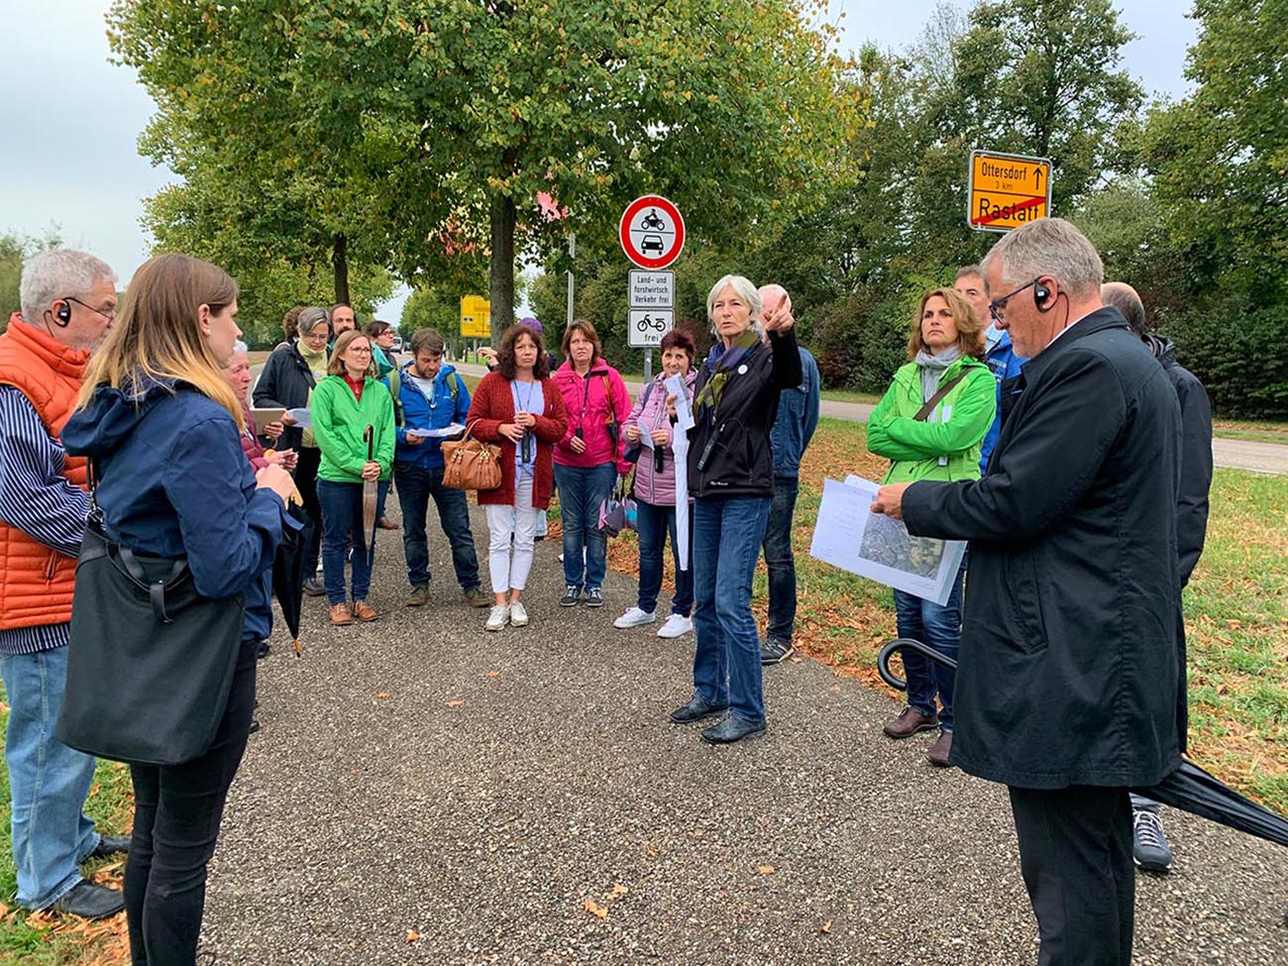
(946, 346)
(344, 404)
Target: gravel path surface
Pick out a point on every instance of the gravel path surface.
(426, 792)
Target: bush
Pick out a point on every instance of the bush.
(860, 340)
(1235, 351)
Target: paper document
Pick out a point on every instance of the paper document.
(452, 430)
(683, 413)
(850, 536)
(680, 446)
(263, 417)
(303, 418)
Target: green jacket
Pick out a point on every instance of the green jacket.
(938, 448)
(338, 424)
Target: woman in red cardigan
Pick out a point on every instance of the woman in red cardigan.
(517, 406)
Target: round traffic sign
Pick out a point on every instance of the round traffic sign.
(651, 232)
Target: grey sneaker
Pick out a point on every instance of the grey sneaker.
(595, 598)
(774, 651)
(571, 597)
(1149, 845)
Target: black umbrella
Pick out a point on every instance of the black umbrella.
(288, 574)
(1188, 787)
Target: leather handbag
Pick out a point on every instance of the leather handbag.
(151, 661)
(471, 464)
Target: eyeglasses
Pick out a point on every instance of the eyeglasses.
(315, 336)
(997, 307)
(360, 349)
(109, 314)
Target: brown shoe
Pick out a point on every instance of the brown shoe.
(938, 753)
(340, 615)
(364, 611)
(384, 523)
(909, 722)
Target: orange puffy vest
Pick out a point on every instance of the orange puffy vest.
(36, 583)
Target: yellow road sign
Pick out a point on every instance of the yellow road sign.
(1007, 191)
(476, 317)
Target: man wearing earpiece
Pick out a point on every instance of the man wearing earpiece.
(68, 304)
(1066, 688)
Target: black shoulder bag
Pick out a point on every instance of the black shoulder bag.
(150, 664)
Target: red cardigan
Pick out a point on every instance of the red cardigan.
(493, 404)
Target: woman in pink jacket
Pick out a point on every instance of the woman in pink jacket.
(655, 490)
(588, 458)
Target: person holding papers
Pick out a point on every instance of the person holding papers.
(930, 424)
(431, 395)
(731, 476)
(649, 436)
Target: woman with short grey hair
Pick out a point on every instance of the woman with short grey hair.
(731, 476)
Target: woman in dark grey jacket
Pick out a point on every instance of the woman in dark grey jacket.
(731, 476)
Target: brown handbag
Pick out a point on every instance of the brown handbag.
(470, 464)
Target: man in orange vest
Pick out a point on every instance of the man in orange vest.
(68, 303)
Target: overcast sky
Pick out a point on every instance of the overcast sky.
(71, 119)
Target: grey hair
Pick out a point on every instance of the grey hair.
(240, 346)
(310, 317)
(1127, 301)
(745, 290)
(59, 273)
(1049, 246)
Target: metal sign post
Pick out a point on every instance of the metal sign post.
(651, 231)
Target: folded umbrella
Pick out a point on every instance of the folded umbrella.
(370, 492)
(288, 575)
(1187, 787)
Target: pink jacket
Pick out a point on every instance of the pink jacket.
(651, 486)
(595, 405)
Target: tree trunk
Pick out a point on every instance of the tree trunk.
(501, 288)
(340, 259)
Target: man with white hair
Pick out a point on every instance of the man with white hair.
(68, 303)
(1066, 688)
(793, 429)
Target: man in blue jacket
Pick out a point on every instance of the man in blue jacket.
(430, 395)
(793, 428)
(1001, 358)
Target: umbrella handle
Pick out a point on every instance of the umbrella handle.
(898, 644)
(369, 434)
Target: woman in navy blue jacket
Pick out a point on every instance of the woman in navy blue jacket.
(162, 426)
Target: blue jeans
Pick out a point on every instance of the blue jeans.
(727, 533)
(940, 628)
(779, 561)
(653, 523)
(581, 492)
(48, 781)
(341, 524)
(415, 486)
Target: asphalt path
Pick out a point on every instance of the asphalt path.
(424, 791)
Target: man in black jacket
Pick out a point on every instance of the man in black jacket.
(1066, 691)
(1149, 846)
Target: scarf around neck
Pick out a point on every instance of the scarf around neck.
(932, 367)
(316, 360)
(731, 357)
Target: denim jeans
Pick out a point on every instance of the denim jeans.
(937, 627)
(727, 534)
(342, 523)
(653, 523)
(779, 562)
(48, 781)
(581, 492)
(177, 811)
(415, 486)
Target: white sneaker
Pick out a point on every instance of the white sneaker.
(635, 618)
(497, 617)
(518, 615)
(675, 626)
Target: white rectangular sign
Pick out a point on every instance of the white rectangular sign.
(647, 326)
(652, 290)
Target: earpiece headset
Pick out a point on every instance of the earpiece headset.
(1041, 295)
(64, 315)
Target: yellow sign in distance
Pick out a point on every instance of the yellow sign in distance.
(476, 317)
(1007, 191)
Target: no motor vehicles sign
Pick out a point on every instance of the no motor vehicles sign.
(651, 232)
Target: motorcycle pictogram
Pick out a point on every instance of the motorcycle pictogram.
(651, 221)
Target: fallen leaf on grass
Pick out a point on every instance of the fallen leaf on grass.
(595, 909)
(766, 869)
(457, 703)
(413, 936)
(826, 927)
(383, 695)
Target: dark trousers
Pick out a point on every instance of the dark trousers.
(940, 628)
(342, 529)
(306, 481)
(415, 486)
(779, 561)
(652, 524)
(177, 809)
(1075, 855)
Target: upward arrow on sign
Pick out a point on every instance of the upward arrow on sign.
(1037, 179)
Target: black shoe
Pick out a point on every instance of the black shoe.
(595, 598)
(90, 901)
(732, 728)
(313, 587)
(109, 845)
(571, 597)
(263, 650)
(774, 651)
(254, 726)
(696, 710)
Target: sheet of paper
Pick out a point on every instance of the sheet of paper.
(303, 418)
(683, 412)
(263, 417)
(446, 431)
(850, 536)
(680, 446)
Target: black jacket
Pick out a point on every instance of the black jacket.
(729, 451)
(285, 383)
(1068, 670)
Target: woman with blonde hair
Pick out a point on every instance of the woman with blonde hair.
(161, 426)
(930, 424)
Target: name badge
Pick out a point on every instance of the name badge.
(742, 369)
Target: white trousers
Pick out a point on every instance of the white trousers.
(511, 530)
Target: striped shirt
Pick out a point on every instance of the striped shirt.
(36, 499)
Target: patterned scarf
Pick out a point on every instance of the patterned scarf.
(730, 358)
